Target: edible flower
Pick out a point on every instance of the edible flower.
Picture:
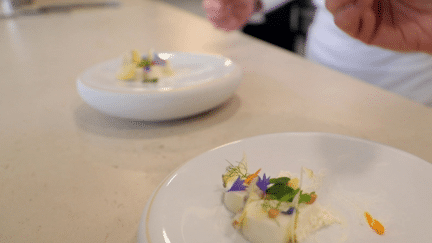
(289, 211)
(237, 185)
(263, 183)
(250, 178)
(136, 58)
(374, 224)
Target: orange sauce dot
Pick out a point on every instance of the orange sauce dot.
(273, 213)
(313, 198)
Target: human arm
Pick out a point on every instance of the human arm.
(399, 25)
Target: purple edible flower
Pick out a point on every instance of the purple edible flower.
(237, 186)
(263, 183)
(290, 211)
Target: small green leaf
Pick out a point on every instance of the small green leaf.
(277, 189)
(144, 63)
(304, 198)
(290, 196)
(153, 80)
(281, 192)
(280, 180)
(287, 198)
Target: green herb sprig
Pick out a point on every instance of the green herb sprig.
(150, 80)
(144, 63)
(237, 170)
(283, 193)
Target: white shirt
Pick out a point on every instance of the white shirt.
(409, 75)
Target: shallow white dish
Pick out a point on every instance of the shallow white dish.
(201, 83)
(392, 185)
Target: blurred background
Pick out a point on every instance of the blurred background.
(285, 27)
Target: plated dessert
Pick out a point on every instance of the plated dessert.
(162, 86)
(149, 68)
(280, 209)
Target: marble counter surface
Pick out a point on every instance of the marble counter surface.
(71, 174)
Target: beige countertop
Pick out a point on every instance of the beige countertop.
(71, 174)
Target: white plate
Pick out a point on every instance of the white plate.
(201, 82)
(392, 185)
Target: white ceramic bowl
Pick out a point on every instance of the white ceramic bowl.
(201, 83)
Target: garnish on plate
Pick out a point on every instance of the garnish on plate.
(232, 172)
(273, 209)
(237, 185)
(282, 191)
(374, 224)
(147, 69)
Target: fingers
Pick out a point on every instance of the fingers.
(228, 14)
(230, 25)
(336, 5)
(216, 13)
(355, 17)
(213, 8)
(393, 25)
(367, 32)
(349, 19)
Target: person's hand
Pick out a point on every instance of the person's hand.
(400, 25)
(229, 14)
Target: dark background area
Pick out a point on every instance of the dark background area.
(286, 26)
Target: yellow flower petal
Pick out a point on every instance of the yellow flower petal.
(136, 58)
(127, 72)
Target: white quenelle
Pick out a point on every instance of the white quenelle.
(235, 200)
(258, 227)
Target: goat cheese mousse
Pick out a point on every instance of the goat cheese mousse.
(273, 209)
